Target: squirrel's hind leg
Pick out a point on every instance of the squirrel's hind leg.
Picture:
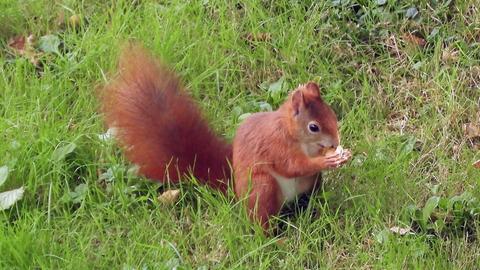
(264, 199)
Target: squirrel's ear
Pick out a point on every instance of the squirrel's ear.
(312, 89)
(297, 101)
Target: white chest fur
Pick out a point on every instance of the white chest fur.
(291, 187)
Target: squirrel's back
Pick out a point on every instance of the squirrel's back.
(158, 124)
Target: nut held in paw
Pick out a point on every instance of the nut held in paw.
(334, 151)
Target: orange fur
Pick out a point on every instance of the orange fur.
(161, 130)
(159, 125)
(270, 142)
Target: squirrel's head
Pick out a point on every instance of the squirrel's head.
(314, 123)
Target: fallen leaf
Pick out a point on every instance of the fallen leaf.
(258, 37)
(169, 197)
(60, 20)
(450, 55)
(392, 46)
(9, 198)
(401, 231)
(411, 13)
(24, 46)
(471, 130)
(217, 254)
(108, 135)
(413, 39)
(282, 241)
(398, 122)
(17, 43)
(472, 134)
(3, 174)
(476, 164)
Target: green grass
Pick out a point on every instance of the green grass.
(369, 71)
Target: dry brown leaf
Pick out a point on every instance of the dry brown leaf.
(471, 130)
(450, 55)
(17, 43)
(413, 39)
(217, 254)
(392, 46)
(258, 37)
(476, 164)
(169, 197)
(60, 20)
(282, 241)
(398, 122)
(23, 46)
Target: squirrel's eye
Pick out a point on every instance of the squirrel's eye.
(312, 127)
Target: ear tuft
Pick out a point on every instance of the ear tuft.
(312, 89)
(297, 101)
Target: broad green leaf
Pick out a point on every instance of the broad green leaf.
(276, 86)
(3, 174)
(61, 152)
(265, 106)
(276, 89)
(430, 206)
(49, 44)
(107, 176)
(79, 194)
(9, 198)
(382, 236)
(409, 144)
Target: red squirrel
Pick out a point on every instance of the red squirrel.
(275, 155)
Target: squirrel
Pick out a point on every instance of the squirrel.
(275, 156)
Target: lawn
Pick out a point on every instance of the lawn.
(402, 76)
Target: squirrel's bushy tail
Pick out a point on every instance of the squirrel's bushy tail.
(158, 124)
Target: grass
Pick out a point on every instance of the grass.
(401, 105)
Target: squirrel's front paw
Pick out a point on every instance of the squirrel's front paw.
(338, 157)
(344, 157)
